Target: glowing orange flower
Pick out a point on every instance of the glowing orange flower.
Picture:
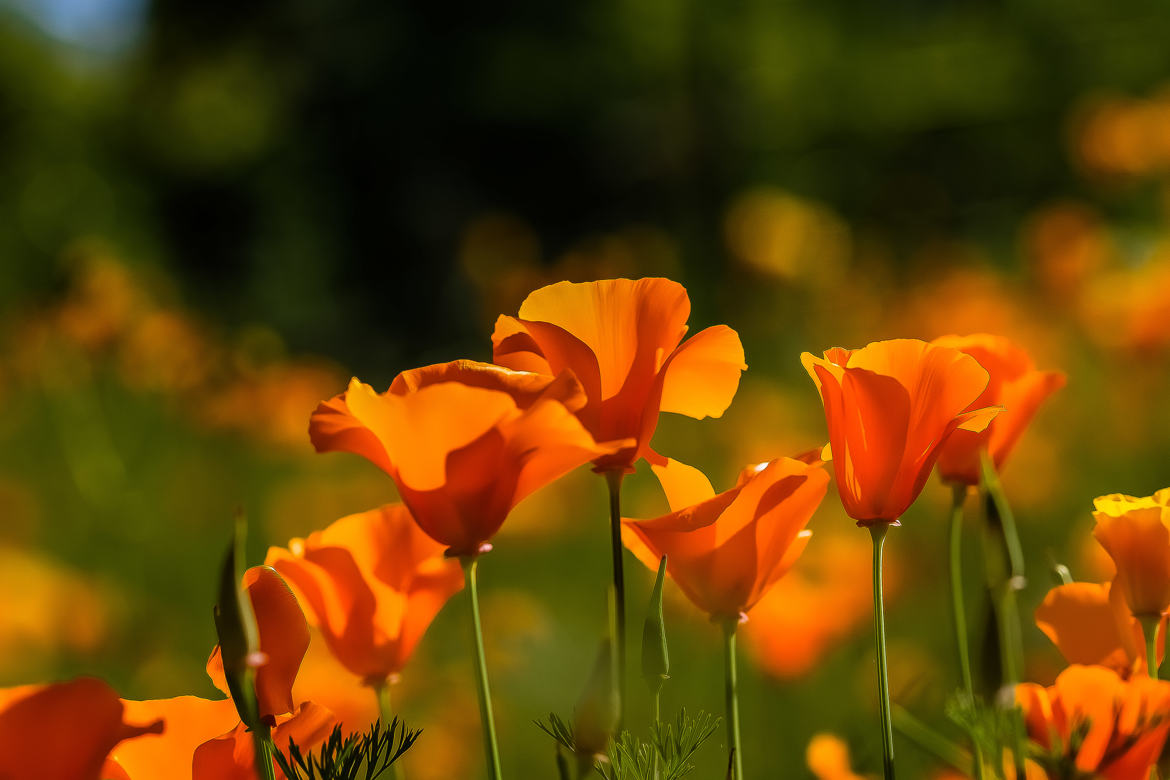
(62, 731)
(1136, 534)
(232, 756)
(890, 407)
(284, 638)
(372, 583)
(622, 339)
(190, 721)
(1014, 384)
(1096, 722)
(724, 551)
(827, 757)
(464, 442)
(1090, 624)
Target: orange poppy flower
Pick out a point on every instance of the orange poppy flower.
(827, 757)
(190, 721)
(1090, 623)
(724, 551)
(890, 407)
(1014, 384)
(1136, 534)
(1095, 722)
(62, 731)
(232, 756)
(622, 339)
(372, 582)
(463, 441)
(284, 638)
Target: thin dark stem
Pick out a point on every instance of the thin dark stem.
(490, 744)
(613, 480)
(731, 697)
(878, 534)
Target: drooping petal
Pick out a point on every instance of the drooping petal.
(702, 375)
(332, 428)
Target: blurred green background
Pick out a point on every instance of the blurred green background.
(213, 213)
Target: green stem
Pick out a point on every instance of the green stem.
(878, 534)
(731, 697)
(1150, 626)
(656, 714)
(931, 741)
(958, 609)
(262, 743)
(613, 480)
(490, 745)
(386, 712)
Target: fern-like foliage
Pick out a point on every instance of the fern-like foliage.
(632, 758)
(363, 756)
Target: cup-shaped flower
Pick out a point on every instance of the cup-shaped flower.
(1093, 723)
(890, 407)
(1091, 624)
(284, 638)
(371, 583)
(464, 442)
(724, 551)
(1014, 384)
(623, 339)
(1136, 534)
(63, 731)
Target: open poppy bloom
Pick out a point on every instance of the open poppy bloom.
(1014, 384)
(1094, 722)
(623, 339)
(464, 442)
(724, 551)
(890, 408)
(372, 583)
(190, 721)
(284, 638)
(1136, 534)
(1091, 624)
(63, 731)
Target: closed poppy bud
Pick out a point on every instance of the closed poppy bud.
(1014, 384)
(372, 583)
(1136, 534)
(890, 407)
(724, 551)
(623, 339)
(283, 641)
(1093, 723)
(62, 731)
(464, 442)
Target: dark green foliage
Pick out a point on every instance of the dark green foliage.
(356, 757)
(632, 758)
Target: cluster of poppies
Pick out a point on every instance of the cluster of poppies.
(580, 376)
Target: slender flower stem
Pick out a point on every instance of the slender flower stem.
(656, 714)
(878, 534)
(490, 745)
(1150, 626)
(958, 610)
(613, 480)
(386, 712)
(731, 698)
(262, 743)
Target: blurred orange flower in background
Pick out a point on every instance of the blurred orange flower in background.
(827, 757)
(1014, 384)
(1090, 624)
(372, 583)
(890, 407)
(1095, 721)
(464, 442)
(1135, 533)
(62, 731)
(622, 339)
(284, 638)
(724, 551)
